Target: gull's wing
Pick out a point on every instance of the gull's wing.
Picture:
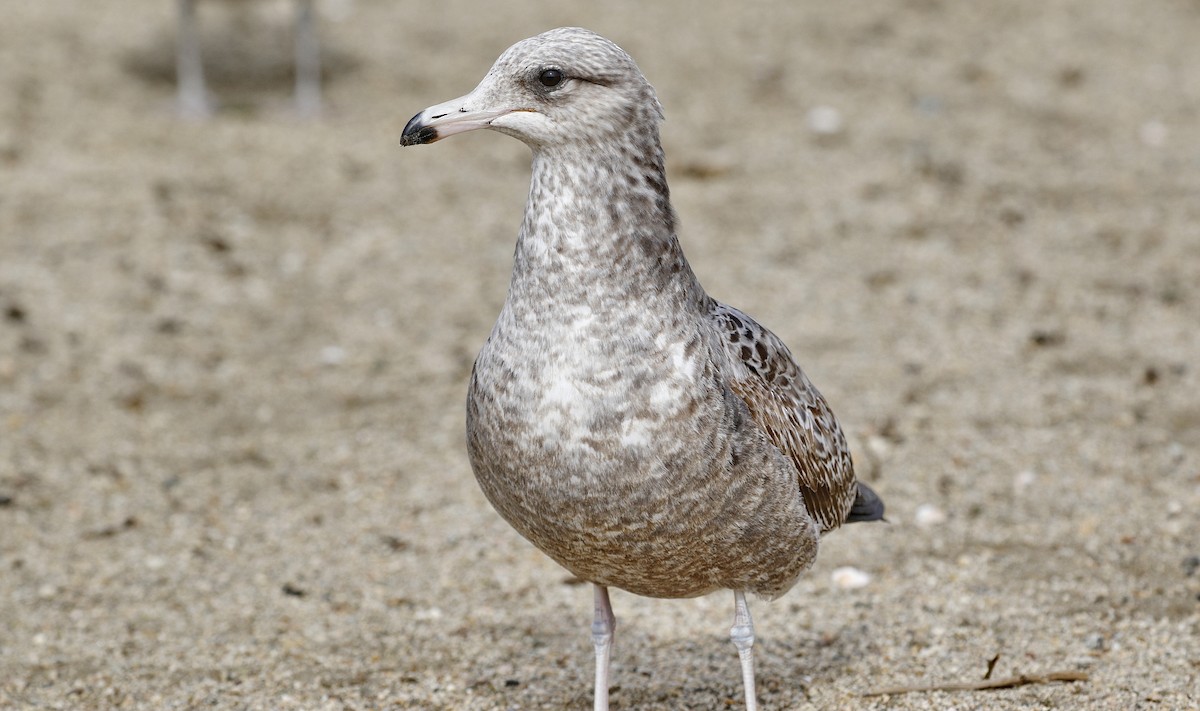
(789, 409)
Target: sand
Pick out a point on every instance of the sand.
(234, 355)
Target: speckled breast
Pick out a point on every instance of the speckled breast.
(647, 476)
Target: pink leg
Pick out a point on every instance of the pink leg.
(742, 634)
(603, 627)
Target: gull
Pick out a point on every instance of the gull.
(193, 98)
(642, 434)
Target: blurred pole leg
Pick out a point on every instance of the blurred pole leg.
(192, 97)
(308, 60)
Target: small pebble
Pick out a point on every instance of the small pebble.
(1023, 481)
(1096, 642)
(1153, 133)
(294, 590)
(879, 446)
(825, 121)
(849, 578)
(333, 355)
(929, 515)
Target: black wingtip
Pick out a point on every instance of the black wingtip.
(867, 506)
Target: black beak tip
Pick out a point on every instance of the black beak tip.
(416, 133)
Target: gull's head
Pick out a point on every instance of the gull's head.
(562, 86)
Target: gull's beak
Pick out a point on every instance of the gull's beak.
(437, 122)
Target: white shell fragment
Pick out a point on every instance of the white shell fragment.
(1023, 481)
(333, 355)
(929, 515)
(850, 578)
(825, 121)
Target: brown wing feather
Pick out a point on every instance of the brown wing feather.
(792, 413)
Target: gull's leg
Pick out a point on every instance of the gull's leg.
(189, 70)
(742, 634)
(308, 60)
(602, 636)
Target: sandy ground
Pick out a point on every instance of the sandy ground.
(233, 355)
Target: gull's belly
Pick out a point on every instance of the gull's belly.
(633, 476)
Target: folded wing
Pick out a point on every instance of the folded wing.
(795, 418)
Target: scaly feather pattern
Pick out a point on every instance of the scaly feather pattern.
(792, 412)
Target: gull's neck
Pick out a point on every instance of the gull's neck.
(599, 223)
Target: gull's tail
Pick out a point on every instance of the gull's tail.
(867, 506)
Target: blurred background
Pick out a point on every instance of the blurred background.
(234, 352)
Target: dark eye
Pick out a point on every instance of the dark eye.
(550, 77)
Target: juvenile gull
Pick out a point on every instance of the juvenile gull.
(642, 434)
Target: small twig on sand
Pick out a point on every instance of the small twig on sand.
(986, 684)
(991, 666)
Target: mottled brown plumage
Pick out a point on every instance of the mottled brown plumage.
(640, 433)
(794, 415)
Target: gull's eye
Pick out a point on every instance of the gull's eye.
(550, 77)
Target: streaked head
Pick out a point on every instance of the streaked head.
(565, 85)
